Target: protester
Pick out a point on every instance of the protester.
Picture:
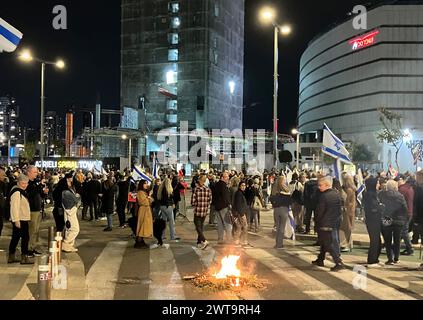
(373, 215)
(201, 200)
(165, 197)
(222, 204)
(20, 215)
(405, 188)
(109, 190)
(350, 203)
(281, 201)
(145, 216)
(311, 194)
(71, 201)
(122, 199)
(3, 197)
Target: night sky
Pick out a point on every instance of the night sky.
(91, 48)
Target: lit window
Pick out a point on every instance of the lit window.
(172, 118)
(174, 7)
(171, 77)
(172, 105)
(173, 55)
(173, 38)
(216, 9)
(175, 22)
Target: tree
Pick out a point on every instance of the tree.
(29, 151)
(361, 153)
(392, 132)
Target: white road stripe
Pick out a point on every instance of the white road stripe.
(102, 277)
(166, 282)
(305, 283)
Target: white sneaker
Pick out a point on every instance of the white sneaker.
(166, 246)
(154, 246)
(205, 245)
(103, 218)
(373, 266)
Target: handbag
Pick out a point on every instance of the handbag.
(257, 204)
(387, 221)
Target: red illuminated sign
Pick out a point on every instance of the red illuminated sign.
(364, 41)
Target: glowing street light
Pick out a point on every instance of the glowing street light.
(27, 57)
(286, 30)
(267, 15)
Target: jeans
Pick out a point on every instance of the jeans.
(17, 234)
(34, 229)
(392, 233)
(374, 228)
(254, 218)
(93, 205)
(241, 229)
(168, 215)
(199, 226)
(329, 242)
(110, 220)
(406, 237)
(212, 217)
(224, 224)
(281, 217)
(120, 208)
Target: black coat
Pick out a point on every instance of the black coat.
(371, 206)
(166, 200)
(123, 190)
(418, 205)
(35, 192)
(239, 206)
(108, 198)
(92, 189)
(311, 194)
(329, 210)
(221, 196)
(395, 206)
(57, 193)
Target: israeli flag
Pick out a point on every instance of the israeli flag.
(333, 146)
(337, 171)
(156, 168)
(360, 186)
(10, 37)
(139, 174)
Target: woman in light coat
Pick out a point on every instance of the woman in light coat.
(145, 215)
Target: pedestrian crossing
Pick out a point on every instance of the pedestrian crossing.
(113, 270)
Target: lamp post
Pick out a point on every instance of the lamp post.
(267, 15)
(125, 137)
(297, 133)
(26, 56)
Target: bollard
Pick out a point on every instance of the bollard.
(44, 280)
(59, 240)
(53, 259)
(51, 234)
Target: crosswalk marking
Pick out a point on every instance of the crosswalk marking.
(166, 282)
(295, 277)
(102, 277)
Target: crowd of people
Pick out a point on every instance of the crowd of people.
(232, 201)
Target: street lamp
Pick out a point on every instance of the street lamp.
(26, 56)
(125, 137)
(267, 16)
(297, 133)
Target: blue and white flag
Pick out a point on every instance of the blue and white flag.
(290, 226)
(156, 168)
(360, 186)
(139, 174)
(333, 146)
(10, 37)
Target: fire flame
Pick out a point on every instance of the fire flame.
(230, 270)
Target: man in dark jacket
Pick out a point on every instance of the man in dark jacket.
(122, 199)
(92, 190)
(418, 209)
(222, 203)
(36, 192)
(328, 220)
(240, 211)
(311, 197)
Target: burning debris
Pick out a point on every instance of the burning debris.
(228, 278)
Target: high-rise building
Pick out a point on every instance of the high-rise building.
(53, 126)
(9, 113)
(183, 61)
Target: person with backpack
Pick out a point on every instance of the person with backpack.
(20, 215)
